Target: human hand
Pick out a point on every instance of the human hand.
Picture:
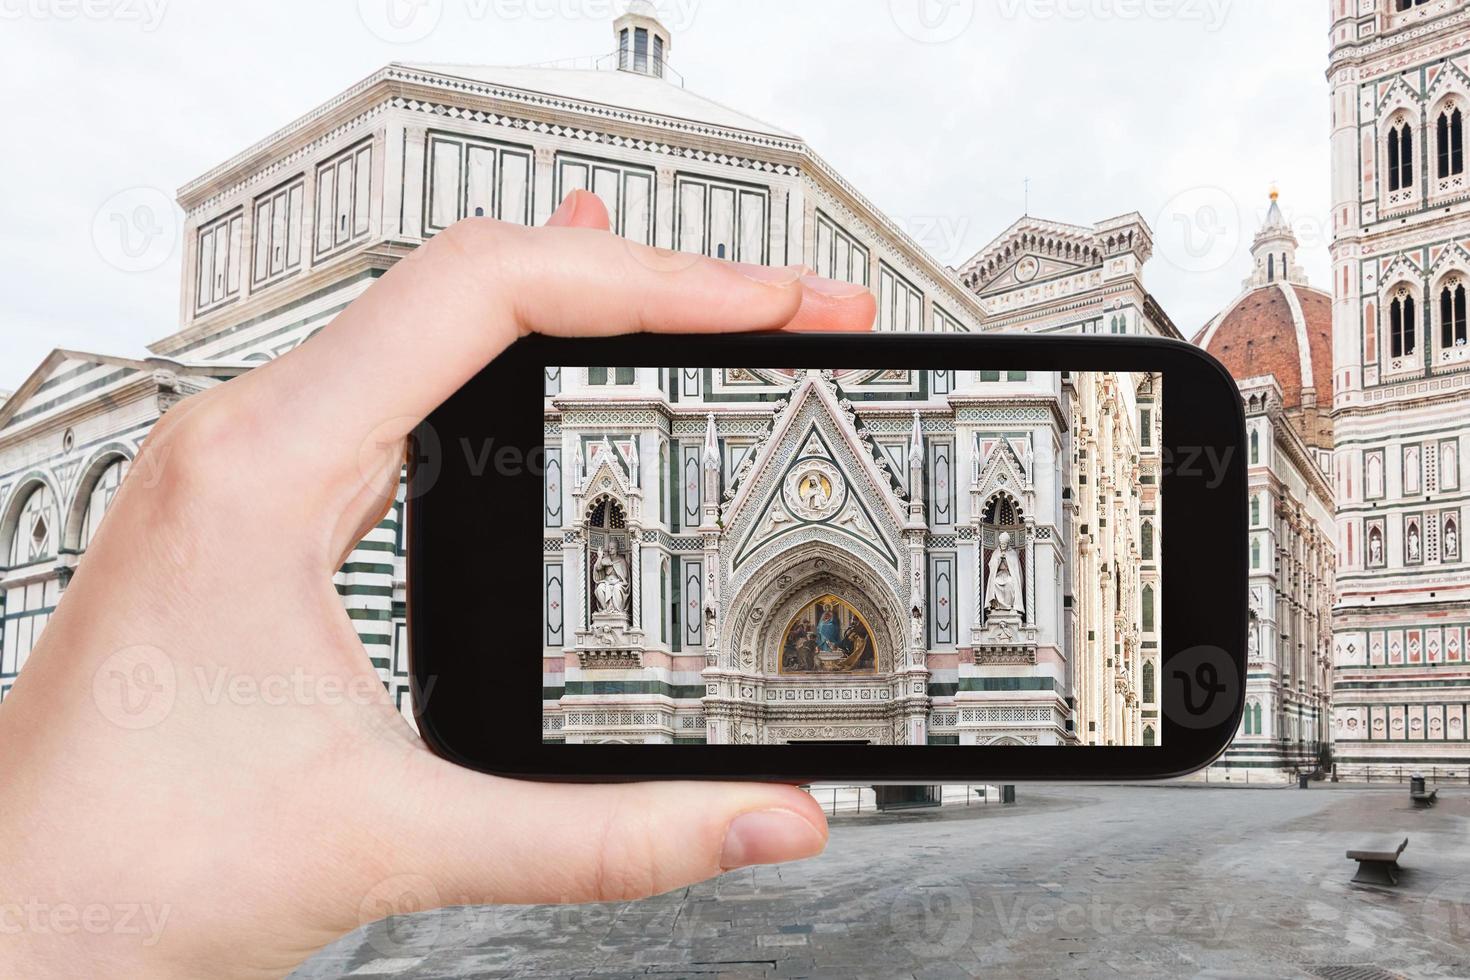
(241, 834)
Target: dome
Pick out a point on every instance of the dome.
(1282, 329)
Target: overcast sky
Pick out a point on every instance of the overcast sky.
(1186, 111)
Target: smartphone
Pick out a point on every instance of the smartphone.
(947, 558)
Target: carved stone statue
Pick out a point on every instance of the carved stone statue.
(1003, 592)
(610, 573)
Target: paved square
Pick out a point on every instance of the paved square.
(1173, 881)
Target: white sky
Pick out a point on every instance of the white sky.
(1186, 111)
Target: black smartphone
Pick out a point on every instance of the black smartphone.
(950, 558)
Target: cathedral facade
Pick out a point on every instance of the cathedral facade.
(1400, 77)
(763, 556)
(283, 236)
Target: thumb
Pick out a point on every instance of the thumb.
(581, 209)
(485, 840)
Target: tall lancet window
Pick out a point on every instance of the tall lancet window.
(1450, 142)
(1400, 156)
(1452, 314)
(1402, 324)
(1271, 268)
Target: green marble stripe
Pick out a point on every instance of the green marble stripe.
(366, 568)
(686, 691)
(385, 591)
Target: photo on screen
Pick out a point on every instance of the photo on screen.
(768, 556)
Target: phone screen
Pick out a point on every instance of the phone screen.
(819, 556)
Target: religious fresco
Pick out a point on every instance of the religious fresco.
(828, 636)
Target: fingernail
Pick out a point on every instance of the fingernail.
(775, 275)
(833, 287)
(769, 837)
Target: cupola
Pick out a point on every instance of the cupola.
(643, 42)
(1274, 250)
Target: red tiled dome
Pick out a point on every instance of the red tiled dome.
(1268, 330)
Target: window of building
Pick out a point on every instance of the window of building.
(720, 219)
(625, 49)
(627, 192)
(1255, 447)
(1146, 545)
(1452, 314)
(1148, 681)
(475, 178)
(1147, 601)
(1450, 142)
(658, 56)
(1403, 324)
(35, 531)
(1148, 735)
(617, 376)
(839, 255)
(1145, 427)
(1256, 553)
(900, 304)
(101, 498)
(1400, 156)
(1255, 512)
(277, 231)
(218, 256)
(640, 49)
(343, 188)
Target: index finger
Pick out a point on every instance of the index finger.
(440, 315)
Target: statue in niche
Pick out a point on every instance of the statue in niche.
(1413, 540)
(1003, 583)
(1451, 540)
(610, 572)
(1375, 546)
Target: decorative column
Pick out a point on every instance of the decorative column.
(720, 685)
(915, 675)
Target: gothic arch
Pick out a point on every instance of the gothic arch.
(760, 611)
(76, 510)
(27, 485)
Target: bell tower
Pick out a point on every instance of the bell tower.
(643, 42)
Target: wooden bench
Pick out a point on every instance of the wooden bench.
(1422, 799)
(1378, 864)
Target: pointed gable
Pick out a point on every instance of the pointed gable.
(815, 475)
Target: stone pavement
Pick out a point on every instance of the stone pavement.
(1170, 881)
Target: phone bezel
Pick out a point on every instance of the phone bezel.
(468, 536)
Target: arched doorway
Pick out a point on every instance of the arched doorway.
(815, 653)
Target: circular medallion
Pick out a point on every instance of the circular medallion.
(1027, 269)
(814, 490)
